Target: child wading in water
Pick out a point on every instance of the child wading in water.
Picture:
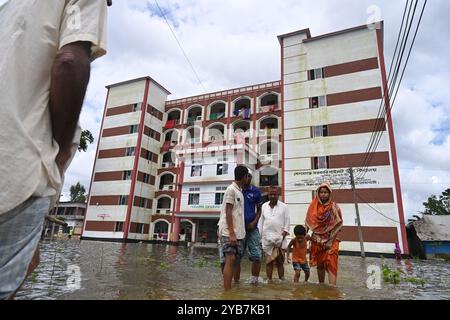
(299, 245)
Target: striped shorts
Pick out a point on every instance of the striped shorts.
(20, 232)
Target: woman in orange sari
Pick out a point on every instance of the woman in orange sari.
(324, 219)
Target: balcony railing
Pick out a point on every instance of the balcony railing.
(163, 210)
(269, 132)
(167, 187)
(215, 116)
(170, 124)
(168, 165)
(269, 108)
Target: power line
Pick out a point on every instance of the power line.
(393, 84)
(385, 89)
(181, 47)
(389, 82)
(377, 211)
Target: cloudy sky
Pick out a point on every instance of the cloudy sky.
(233, 43)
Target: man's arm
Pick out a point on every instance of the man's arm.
(229, 219)
(252, 225)
(70, 77)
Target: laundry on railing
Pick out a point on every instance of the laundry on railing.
(170, 124)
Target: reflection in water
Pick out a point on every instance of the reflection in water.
(146, 271)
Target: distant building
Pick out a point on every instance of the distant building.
(429, 237)
(71, 213)
(162, 167)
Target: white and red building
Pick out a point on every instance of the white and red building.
(162, 166)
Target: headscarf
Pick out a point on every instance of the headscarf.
(324, 219)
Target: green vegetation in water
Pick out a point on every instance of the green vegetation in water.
(394, 277)
(164, 265)
(33, 277)
(201, 262)
(217, 263)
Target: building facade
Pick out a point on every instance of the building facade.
(162, 166)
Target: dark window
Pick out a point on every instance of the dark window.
(146, 178)
(136, 107)
(123, 200)
(268, 180)
(127, 175)
(194, 199)
(130, 151)
(222, 169)
(134, 128)
(219, 198)
(316, 74)
(320, 131)
(143, 202)
(139, 228)
(118, 227)
(196, 171)
(321, 162)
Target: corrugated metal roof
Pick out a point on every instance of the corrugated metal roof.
(433, 228)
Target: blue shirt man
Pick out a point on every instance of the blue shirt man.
(252, 212)
(252, 198)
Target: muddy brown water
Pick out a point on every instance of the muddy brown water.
(153, 271)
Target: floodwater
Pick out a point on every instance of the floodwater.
(153, 271)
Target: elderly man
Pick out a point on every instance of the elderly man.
(274, 227)
(46, 48)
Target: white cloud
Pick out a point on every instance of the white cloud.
(233, 43)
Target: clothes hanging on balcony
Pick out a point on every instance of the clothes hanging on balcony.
(246, 114)
(274, 107)
(236, 112)
(170, 124)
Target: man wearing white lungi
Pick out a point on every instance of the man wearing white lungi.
(274, 226)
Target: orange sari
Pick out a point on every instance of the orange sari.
(325, 221)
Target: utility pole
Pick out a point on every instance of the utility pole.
(360, 235)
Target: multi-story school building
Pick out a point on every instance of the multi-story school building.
(162, 166)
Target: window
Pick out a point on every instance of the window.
(222, 169)
(322, 101)
(314, 102)
(143, 202)
(126, 175)
(130, 151)
(194, 199)
(118, 227)
(316, 74)
(139, 228)
(146, 178)
(123, 200)
(320, 131)
(220, 195)
(196, 171)
(268, 180)
(136, 107)
(134, 128)
(321, 162)
(219, 198)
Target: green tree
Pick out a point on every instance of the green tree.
(78, 193)
(86, 136)
(438, 206)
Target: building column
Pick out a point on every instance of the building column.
(176, 229)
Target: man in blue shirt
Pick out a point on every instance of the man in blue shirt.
(252, 213)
